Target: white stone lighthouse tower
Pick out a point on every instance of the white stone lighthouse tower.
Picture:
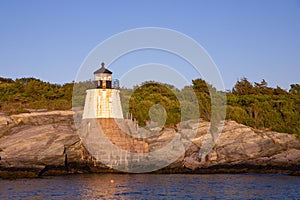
(104, 101)
(103, 131)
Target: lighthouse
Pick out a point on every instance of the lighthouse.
(104, 100)
(108, 137)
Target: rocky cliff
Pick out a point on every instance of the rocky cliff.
(45, 143)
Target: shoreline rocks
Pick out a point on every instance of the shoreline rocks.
(47, 143)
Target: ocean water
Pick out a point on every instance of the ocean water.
(154, 186)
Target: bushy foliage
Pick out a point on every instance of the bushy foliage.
(192, 102)
(264, 107)
(18, 95)
(150, 94)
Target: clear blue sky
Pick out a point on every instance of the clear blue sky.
(253, 38)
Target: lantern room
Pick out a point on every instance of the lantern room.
(103, 78)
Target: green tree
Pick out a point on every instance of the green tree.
(243, 87)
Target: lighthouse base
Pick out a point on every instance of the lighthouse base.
(108, 142)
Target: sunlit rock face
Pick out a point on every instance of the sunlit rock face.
(48, 143)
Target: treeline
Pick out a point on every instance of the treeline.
(21, 95)
(260, 106)
(191, 102)
(253, 104)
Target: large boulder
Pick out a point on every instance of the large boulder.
(38, 141)
(241, 145)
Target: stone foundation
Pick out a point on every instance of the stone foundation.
(109, 142)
